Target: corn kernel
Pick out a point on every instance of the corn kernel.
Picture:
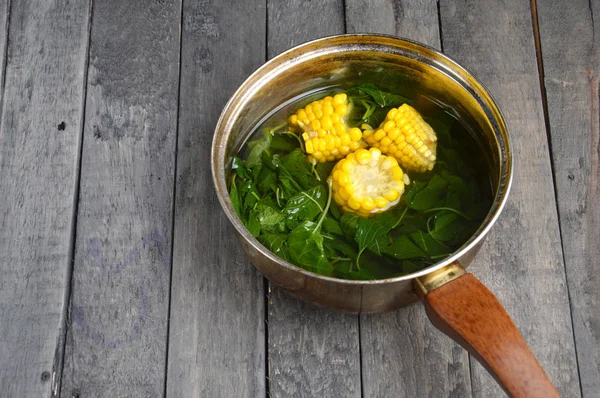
(381, 202)
(355, 134)
(362, 156)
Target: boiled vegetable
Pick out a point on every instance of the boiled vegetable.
(366, 182)
(326, 135)
(407, 137)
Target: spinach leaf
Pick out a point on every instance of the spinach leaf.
(252, 224)
(427, 197)
(237, 164)
(382, 98)
(265, 180)
(324, 170)
(430, 246)
(332, 226)
(299, 168)
(306, 205)
(369, 232)
(403, 248)
(348, 223)
(342, 247)
(409, 266)
(235, 198)
(270, 219)
(276, 243)
(284, 143)
(306, 248)
(378, 116)
(335, 211)
(447, 225)
(257, 148)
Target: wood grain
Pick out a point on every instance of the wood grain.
(469, 313)
(402, 353)
(521, 262)
(312, 351)
(217, 329)
(570, 55)
(118, 313)
(4, 25)
(40, 134)
(415, 20)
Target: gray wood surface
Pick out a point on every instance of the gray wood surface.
(217, 329)
(521, 261)
(38, 177)
(128, 271)
(570, 55)
(312, 351)
(416, 20)
(402, 353)
(4, 25)
(118, 314)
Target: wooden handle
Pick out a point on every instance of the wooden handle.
(469, 313)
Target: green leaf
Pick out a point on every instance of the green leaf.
(276, 243)
(382, 98)
(284, 143)
(335, 211)
(324, 170)
(379, 244)
(252, 224)
(429, 196)
(357, 275)
(447, 225)
(235, 198)
(348, 223)
(441, 122)
(430, 246)
(369, 231)
(342, 247)
(299, 168)
(257, 148)
(288, 187)
(403, 248)
(237, 164)
(266, 179)
(332, 226)
(307, 204)
(377, 116)
(306, 248)
(271, 220)
(409, 266)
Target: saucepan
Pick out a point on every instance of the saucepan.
(456, 302)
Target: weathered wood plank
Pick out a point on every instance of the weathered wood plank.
(570, 54)
(415, 20)
(40, 134)
(522, 259)
(4, 23)
(118, 314)
(312, 351)
(402, 353)
(217, 329)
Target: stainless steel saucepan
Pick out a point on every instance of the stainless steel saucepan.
(456, 302)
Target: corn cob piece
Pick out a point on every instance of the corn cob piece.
(326, 135)
(407, 137)
(367, 182)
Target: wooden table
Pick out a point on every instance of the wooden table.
(121, 276)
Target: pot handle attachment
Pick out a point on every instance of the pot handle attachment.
(459, 305)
